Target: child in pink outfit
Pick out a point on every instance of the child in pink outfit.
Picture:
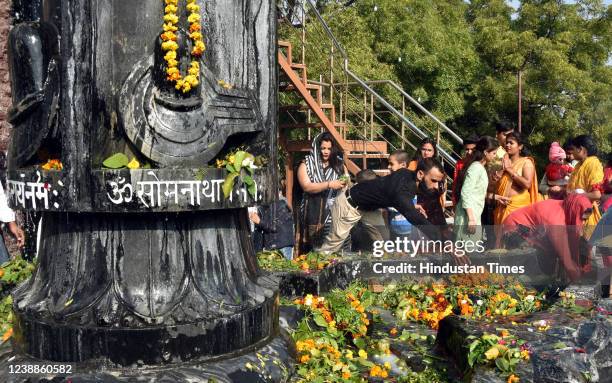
(557, 172)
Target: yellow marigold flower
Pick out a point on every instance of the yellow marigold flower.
(192, 80)
(186, 87)
(169, 46)
(134, 164)
(171, 8)
(170, 28)
(387, 365)
(525, 354)
(172, 63)
(384, 374)
(332, 323)
(363, 354)
(171, 2)
(196, 35)
(349, 355)
(193, 8)
(171, 19)
(170, 55)
(193, 18)
(492, 353)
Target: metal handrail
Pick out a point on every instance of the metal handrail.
(415, 103)
(412, 126)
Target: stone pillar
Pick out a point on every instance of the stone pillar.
(150, 266)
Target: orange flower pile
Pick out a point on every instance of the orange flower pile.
(356, 304)
(308, 265)
(170, 45)
(53, 164)
(378, 371)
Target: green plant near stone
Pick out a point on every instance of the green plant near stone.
(273, 260)
(14, 272)
(240, 166)
(503, 352)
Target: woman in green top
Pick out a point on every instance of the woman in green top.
(472, 190)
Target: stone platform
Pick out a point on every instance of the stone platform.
(538, 271)
(268, 363)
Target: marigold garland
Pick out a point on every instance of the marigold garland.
(170, 45)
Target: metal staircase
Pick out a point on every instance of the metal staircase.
(366, 125)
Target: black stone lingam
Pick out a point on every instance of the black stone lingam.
(145, 267)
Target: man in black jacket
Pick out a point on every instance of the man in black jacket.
(395, 190)
(274, 226)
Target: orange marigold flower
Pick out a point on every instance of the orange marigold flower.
(393, 331)
(305, 358)
(8, 334)
(513, 379)
(168, 36)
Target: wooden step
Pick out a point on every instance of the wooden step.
(369, 155)
(286, 45)
(316, 125)
(301, 68)
(359, 146)
(376, 149)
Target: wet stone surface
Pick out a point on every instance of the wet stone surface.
(566, 347)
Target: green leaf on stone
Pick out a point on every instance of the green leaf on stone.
(360, 343)
(252, 189)
(238, 158)
(228, 184)
(116, 161)
(320, 321)
(502, 364)
(248, 180)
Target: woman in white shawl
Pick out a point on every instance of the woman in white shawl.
(321, 177)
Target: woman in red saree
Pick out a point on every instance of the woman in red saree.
(562, 222)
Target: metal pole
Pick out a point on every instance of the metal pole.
(403, 124)
(371, 117)
(520, 101)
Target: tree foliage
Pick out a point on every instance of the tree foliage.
(461, 59)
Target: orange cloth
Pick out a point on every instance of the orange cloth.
(588, 175)
(561, 221)
(412, 165)
(525, 198)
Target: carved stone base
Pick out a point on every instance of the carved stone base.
(145, 289)
(272, 363)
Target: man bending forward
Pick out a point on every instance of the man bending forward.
(395, 190)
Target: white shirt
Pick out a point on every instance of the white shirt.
(6, 213)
